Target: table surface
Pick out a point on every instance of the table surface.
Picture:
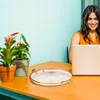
(80, 87)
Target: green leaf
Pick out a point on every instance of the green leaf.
(24, 39)
(3, 62)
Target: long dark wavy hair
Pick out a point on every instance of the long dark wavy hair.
(84, 28)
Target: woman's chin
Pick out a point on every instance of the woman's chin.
(93, 29)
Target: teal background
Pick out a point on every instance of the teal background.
(47, 24)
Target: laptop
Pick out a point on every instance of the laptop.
(86, 59)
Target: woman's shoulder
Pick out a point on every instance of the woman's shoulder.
(76, 37)
(77, 34)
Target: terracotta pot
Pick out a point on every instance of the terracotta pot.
(7, 75)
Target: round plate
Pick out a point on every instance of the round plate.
(50, 77)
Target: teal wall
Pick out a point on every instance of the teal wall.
(47, 24)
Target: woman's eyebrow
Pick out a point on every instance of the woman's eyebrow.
(91, 17)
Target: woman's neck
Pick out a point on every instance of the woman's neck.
(93, 32)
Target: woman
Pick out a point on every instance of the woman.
(90, 28)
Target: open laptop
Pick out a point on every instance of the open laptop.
(86, 59)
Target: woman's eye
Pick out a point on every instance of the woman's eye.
(93, 18)
(96, 18)
(89, 18)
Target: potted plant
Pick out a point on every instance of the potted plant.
(7, 58)
(22, 57)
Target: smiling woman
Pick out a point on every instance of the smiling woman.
(92, 22)
(90, 28)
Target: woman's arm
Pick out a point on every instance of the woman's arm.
(75, 40)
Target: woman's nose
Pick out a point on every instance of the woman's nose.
(93, 21)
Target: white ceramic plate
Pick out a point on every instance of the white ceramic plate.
(50, 77)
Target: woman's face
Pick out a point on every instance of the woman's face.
(92, 21)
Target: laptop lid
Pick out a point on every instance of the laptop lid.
(86, 59)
